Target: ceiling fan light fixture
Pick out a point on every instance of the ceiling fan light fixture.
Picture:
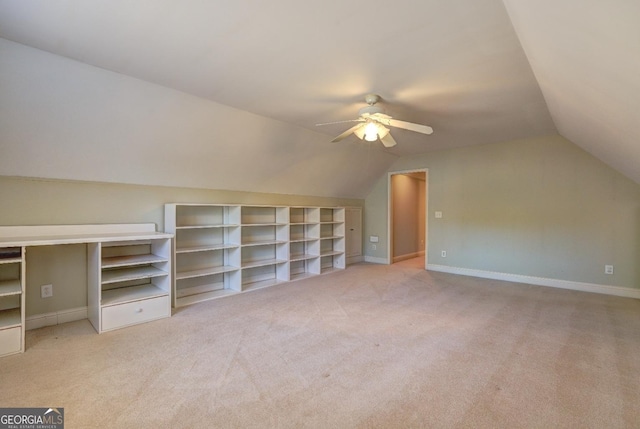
(371, 132)
(382, 131)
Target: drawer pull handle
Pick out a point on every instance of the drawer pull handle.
(138, 310)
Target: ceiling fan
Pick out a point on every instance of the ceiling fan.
(373, 124)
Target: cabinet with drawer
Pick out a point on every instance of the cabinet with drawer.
(129, 282)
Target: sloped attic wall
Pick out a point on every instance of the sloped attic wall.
(62, 119)
(539, 207)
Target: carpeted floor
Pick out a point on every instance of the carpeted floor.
(373, 346)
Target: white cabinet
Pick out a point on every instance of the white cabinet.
(353, 234)
(12, 299)
(129, 282)
(225, 249)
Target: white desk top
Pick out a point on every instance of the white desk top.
(47, 235)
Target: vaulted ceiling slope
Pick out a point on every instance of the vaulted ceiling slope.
(458, 66)
(585, 55)
(66, 120)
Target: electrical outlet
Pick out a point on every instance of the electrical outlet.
(374, 247)
(46, 291)
(608, 269)
(444, 253)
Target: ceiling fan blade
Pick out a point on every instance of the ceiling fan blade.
(340, 122)
(388, 141)
(424, 129)
(346, 133)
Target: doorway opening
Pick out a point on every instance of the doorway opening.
(408, 203)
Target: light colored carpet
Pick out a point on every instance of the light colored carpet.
(412, 263)
(369, 347)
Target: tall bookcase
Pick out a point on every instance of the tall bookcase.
(207, 250)
(223, 249)
(332, 239)
(304, 244)
(265, 236)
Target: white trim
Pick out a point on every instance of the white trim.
(56, 318)
(375, 260)
(540, 281)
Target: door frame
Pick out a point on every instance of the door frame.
(390, 212)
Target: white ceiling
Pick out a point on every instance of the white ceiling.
(474, 70)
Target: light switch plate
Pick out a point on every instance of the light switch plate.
(438, 215)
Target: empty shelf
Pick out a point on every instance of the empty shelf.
(10, 287)
(301, 257)
(262, 263)
(205, 272)
(133, 293)
(124, 261)
(263, 242)
(10, 318)
(134, 273)
(261, 284)
(224, 225)
(207, 247)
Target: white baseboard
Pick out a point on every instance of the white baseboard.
(407, 256)
(539, 281)
(375, 260)
(56, 318)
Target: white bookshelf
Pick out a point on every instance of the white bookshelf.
(207, 250)
(304, 246)
(265, 236)
(12, 300)
(332, 239)
(239, 248)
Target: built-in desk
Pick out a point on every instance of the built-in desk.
(128, 274)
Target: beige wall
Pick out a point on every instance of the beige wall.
(540, 207)
(41, 202)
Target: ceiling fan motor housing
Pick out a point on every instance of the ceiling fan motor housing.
(370, 110)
